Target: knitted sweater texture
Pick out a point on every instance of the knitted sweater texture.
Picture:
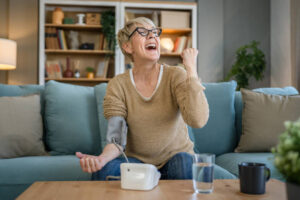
(157, 127)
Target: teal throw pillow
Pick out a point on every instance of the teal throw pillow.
(71, 119)
(218, 136)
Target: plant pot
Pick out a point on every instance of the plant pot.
(90, 75)
(293, 191)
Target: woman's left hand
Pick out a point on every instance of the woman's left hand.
(189, 57)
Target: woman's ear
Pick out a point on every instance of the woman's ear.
(127, 47)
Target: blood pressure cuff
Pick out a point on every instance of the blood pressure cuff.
(117, 129)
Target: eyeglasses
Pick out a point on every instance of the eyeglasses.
(145, 32)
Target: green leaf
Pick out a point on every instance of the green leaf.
(250, 62)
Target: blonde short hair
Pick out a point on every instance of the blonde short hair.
(123, 34)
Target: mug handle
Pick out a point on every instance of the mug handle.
(268, 173)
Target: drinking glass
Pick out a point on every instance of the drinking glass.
(203, 172)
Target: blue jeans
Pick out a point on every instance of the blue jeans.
(178, 167)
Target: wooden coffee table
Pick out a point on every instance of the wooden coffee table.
(166, 190)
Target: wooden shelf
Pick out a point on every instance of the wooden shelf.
(176, 31)
(170, 54)
(80, 79)
(60, 51)
(74, 26)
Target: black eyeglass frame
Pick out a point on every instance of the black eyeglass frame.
(149, 30)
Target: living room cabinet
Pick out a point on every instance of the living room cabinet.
(162, 13)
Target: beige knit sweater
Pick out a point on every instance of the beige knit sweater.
(157, 127)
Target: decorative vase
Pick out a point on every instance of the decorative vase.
(293, 191)
(80, 19)
(73, 39)
(57, 16)
(68, 72)
(77, 73)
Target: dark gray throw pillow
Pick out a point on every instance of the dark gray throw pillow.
(21, 127)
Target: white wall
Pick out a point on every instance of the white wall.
(210, 40)
(281, 65)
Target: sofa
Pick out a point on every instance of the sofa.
(73, 121)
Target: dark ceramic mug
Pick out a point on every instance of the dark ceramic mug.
(253, 177)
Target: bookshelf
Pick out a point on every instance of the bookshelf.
(70, 51)
(71, 26)
(90, 34)
(177, 31)
(170, 54)
(157, 12)
(75, 46)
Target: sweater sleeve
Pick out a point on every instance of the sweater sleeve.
(190, 97)
(114, 101)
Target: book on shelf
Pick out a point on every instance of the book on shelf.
(102, 67)
(189, 42)
(101, 41)
(53, 70)
(105, 44)
(182, 43)
(47, 39)
(55, 39)
(51, 38)
(62, 39)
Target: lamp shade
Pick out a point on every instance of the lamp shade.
(8, 54)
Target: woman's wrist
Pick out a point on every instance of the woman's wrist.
(191, 73)
(103, 159)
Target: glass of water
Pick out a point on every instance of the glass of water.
(203, 172)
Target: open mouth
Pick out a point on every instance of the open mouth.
(151, 46)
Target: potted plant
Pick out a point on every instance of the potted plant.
(90, 72)
(250, 62)
(287, 158)
(108, 28)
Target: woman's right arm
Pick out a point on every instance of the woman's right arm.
(113, 105)
(92, 164)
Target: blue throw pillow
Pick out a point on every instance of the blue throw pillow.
(72, 122)
(100, 91)
(218, 135)
(238, 103)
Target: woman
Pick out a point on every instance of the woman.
(156, 102)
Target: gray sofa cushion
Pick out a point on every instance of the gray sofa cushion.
(230, 162)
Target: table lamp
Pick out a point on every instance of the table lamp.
(8, 54)
(167, 45)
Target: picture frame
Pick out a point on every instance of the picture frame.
(102, 68)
